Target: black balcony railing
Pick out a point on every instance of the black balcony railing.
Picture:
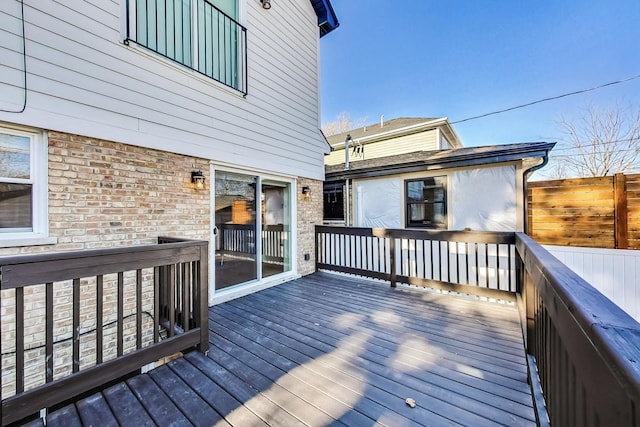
(193, 33)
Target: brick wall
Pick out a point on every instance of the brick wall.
(107, 194)
(102, 194)
(309, 215)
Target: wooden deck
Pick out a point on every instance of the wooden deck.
(330, 350)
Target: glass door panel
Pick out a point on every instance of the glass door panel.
(236, 223)
(276, 227)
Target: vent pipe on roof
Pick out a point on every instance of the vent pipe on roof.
(382, 120)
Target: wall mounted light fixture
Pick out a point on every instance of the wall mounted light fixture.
(266, 4)
(197, 178)
(306, 192)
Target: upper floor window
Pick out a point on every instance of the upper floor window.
(203, 35)
(23, 187)
(426, 202)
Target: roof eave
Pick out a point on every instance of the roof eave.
(327, 19)
(473, 159)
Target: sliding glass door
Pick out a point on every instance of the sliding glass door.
(252, 228)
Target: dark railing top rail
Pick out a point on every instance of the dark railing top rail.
(614, 333)
(25, 270)
(496, 237)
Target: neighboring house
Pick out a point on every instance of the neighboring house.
(476, 188)
(397, 136)
(113, 114)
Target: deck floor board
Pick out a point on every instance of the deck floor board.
(332, 350)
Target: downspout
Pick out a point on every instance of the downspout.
(347, 167)
(525, 175)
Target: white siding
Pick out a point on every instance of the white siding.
(423, 141)
(614, 272)
(82, 79)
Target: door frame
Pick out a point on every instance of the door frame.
(217, 297)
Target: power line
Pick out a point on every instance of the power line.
(593, 144)
(564, 95)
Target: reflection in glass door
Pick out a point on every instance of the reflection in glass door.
(236, 223)
(276, 227)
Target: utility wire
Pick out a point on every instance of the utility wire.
(593, 144)
(24, 65)
(577, 92)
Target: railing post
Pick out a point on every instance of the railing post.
(392, 257)
(203, 295)
(316, 247)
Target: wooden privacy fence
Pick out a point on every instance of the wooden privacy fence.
(592, 212)
(73, 321)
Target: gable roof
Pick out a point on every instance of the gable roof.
(394, 128)
(327, 19)
(441, 159)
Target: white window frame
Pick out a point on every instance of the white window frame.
(39, 180)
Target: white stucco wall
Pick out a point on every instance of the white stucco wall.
(483, 199)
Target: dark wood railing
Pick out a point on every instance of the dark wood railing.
(73, 321)
(479, 263)
(240, 240)
(583, 350)
(587, 349)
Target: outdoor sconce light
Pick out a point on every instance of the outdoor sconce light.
(197, 178)
(306, 192)
(266, 4)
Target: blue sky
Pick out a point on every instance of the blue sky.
(462, 58)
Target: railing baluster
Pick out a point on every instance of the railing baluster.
(138, 309)
(19, 310)
(157, 278)
(48, 339)
(120, 314)
(186, 296)
(498, 266)
(486, 265)
(99, 318)
(466, 253)
(477, 264)
(171, 285)
(76, 325)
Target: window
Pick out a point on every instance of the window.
(203, 35)
(23, 187)
(426, 202)
(334, 201)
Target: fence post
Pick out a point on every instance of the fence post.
(621, 229)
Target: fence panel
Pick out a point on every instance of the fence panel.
(614, 272)
(599, 212)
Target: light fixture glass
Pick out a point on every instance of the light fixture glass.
(266, 4)
(197, 178)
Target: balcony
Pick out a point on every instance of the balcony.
(475, 329)
(193, 33)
